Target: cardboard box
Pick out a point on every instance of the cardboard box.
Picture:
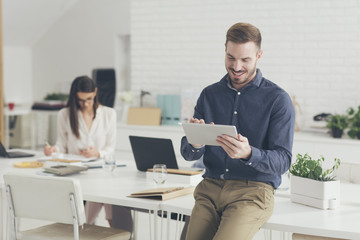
(144, 116)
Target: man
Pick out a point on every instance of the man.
(235, 198)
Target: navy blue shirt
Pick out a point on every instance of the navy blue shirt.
(262, 112)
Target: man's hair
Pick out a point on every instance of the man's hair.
(243, 33)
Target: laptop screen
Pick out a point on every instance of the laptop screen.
(12, 154)
(149, 151)
(3, 152)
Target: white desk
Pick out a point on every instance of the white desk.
(343, 222)
(291, 217)
(100, 186)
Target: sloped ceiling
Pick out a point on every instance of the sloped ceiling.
(25, 21)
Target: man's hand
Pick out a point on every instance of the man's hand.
(195, 120)
(235, 148)
(91, 152)
(201, 121)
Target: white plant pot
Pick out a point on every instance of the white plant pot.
(324, 195)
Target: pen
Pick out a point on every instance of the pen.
(98, 166)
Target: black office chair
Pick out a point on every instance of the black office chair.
(106, 83)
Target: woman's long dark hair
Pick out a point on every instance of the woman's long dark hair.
(80, 84)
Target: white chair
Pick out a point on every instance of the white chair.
(56, 199)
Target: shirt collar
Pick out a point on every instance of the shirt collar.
(254, 83)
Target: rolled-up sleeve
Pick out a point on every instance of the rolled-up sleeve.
(189, 152)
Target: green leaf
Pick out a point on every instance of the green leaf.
(317, 172)
(310, 164)
(305, 166)
(354, 122)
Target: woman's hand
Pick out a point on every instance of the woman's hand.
(91, 152)
(48, 150)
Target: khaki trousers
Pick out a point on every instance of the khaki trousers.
(229, 209)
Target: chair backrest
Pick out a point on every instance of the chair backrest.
(45, 198)
(106, 84)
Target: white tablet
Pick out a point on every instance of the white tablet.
(207, 133)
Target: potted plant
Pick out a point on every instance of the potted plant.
(313, 186)
(354, 120)
(56, 96)
(337, 123)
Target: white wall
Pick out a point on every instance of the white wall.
(83, 39)
(17, 74)
(311, 48)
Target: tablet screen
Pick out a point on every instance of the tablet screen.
(207, 133)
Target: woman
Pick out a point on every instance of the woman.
(84, 126)
(87, 128)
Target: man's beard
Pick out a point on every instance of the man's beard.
(237, 81)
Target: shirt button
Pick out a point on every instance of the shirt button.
(239, 93)
(226, 170)
(192, 150)
(250, 163)
(235, 112)
(222, 176)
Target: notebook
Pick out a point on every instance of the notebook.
(149, 151)
(163, 193)
(13, 154)
(63, 170)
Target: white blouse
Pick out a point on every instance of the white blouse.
(102, 133)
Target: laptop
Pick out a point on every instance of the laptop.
(149, 151)
(13, 154)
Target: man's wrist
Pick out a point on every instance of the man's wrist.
(248, 156)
